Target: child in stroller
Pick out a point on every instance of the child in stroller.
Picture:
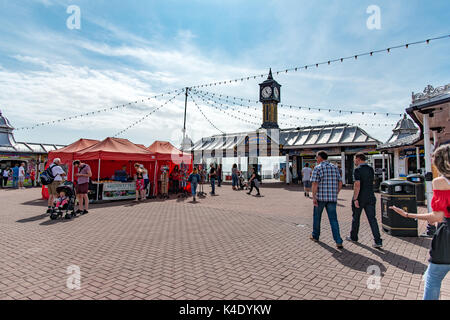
(65, 201)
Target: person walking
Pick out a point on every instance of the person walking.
(212, 178)
(306, 179)
(5, 176)
(219, 175)
(21, 175)
(326, 185)
(439, 261)
(254, 182)
(194, 179)
(146, 179)
(82, 188)
(15, 176)
(58, 174)
(364, 198)
(234, 177)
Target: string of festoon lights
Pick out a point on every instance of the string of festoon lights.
(206, 98)
(207, 119)
(148, 114)
(224, 100)
(207, 101)
(309, 108)
(327, 62)
(215, 106)
(90, 113)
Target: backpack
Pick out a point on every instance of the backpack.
(47, 176)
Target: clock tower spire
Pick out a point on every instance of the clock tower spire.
(269, 96)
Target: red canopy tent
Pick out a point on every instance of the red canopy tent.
(66, 155)
(111, 154)
(168, 155)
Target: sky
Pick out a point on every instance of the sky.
(127, 51)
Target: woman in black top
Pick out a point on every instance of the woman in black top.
(254, 182)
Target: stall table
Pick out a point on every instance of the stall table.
(112, 190)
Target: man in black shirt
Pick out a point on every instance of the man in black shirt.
(212, 178)
(364, 198)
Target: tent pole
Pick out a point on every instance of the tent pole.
(155, 183)
(98, 178)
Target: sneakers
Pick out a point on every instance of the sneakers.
(350, 239)
(85, 212)
(426, 235)
(339, 246)
(377, 246)
(258, 194)
(50, 210)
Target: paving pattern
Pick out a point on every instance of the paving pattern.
(231, 246)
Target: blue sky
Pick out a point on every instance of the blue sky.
(126, 51)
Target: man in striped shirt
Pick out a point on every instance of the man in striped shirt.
(326, 185)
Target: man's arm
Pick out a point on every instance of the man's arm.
(315, 188)
(340, 186)
(356, 188)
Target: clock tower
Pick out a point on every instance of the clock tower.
(269, 95)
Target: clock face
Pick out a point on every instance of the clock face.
(276, 93)
(266, 92)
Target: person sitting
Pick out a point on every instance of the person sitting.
(62, 201)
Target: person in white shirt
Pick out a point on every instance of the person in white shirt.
(5, 177)
(306, 179)
(21, 175)
(59, 175)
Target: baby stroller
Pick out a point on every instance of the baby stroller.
(242, 184)
(69, 189)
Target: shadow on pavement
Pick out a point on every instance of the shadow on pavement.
(36, 202)
(396, 260)
(35, 218)
(353, 260)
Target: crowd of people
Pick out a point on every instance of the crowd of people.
(325, 184)
(18, 173)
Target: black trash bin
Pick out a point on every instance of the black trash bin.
(419, 181)
(399, 193)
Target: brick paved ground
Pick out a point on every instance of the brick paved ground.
(232, 246)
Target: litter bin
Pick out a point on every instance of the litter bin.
(419, 181)
(399, 193)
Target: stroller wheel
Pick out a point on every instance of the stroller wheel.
(53, 216)
(67, 216)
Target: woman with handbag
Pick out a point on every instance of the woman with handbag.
(439, 261)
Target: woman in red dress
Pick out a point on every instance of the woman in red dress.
(440, 246)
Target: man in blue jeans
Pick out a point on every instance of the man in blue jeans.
(326, 185)
(15, 176)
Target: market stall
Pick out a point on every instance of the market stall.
(112, 164)
(167, 157)
(66, 155)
